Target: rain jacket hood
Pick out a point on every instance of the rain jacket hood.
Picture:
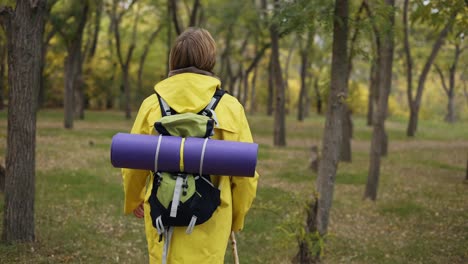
(191, 92)
(187, 92)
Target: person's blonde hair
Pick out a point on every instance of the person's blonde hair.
(194, 47)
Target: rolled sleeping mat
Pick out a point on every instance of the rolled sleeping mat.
(199, 155)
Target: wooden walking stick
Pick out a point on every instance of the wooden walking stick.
(234, 248)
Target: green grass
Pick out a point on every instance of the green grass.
(420, 215)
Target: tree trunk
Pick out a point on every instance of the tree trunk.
(286, 76)
(3, 55)
(25, 28)
(126, 86)
(45, 47)
(169, 35)
(304, 256)
(450, 90)
(384, 151)
(271, 90)
(74, 93)
(69, 93)
(253, 105)
(143, 57)
(307, 105)
(304, 65)
(466, 174)
(2, 178)
(124, 62)
(245, 91)
(332, 136)
(413, 123)
(373, 85)
(378, 135)
(450, 117)
(280, 115)
(413, 120)
(318, 97)
(347, 130)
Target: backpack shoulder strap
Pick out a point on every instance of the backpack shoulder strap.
(166, 110)
(213, 103)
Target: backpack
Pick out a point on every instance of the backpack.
(182, 199)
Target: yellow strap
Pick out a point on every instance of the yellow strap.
(181, 162)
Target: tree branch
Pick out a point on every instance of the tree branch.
(257, 58)
(435, 49)
(193, 16)
(442, 78)
(174, 16)
(125, 10)
(409, 60)
(355, 35)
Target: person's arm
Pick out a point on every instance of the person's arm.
(243, 188)
(134, 181)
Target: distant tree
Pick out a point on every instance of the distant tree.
(24, 28)
(194, 16)
(304, 49)
(345, 152)
(449, 88)
(385, 76)
(319, 210)
(116, 13)
(3, 56)
(144, 55)
(279, 137)
(49, 34)
(446, 14)
(374, 78)
(335, 107)
(70, 24)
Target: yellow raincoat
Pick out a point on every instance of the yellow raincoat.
(190, 92)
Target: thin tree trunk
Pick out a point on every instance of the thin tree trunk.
(69, 98)
(45, 47)
(3, 55)
(347, 130)
(245, 91)
(146, 49)
(175, 17)
(450, 90)
(253, 105)
(124, 62)
(279, 137)
(416, 103)
(271, 91)
(126, 86)
(24, 27)
(307, 104)
(373, 83)
(286, 75)
(304, 66)
(378, 135)
(169, 35)
(318, 97)
(466, 173)
(74, 94)
(333, 127)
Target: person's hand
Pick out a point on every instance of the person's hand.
(139, 212)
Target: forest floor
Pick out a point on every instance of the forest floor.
(420, 216)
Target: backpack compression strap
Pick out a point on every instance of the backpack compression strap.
(166, 110)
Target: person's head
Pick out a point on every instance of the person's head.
(194, 47)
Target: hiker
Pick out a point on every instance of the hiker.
(189, 87)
